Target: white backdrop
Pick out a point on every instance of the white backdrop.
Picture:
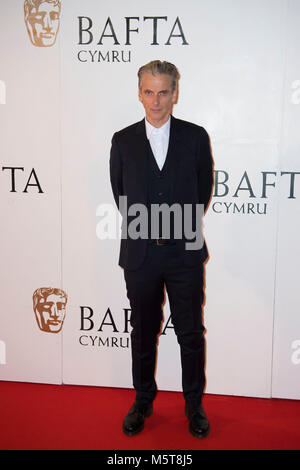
(59, 108)
(30, 221)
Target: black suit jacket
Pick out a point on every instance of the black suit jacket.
(191, 175)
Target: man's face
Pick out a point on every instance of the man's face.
(50, 313)
(43, 24)
(157, 97)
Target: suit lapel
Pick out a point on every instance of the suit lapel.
(141, 150)
(174, 153)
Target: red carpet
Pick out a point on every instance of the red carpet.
(35, 416)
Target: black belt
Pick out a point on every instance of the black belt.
(162, 241)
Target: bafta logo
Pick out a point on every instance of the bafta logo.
(49, 305)
(42, 21)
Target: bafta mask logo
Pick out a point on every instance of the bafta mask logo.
(42, 21)
(49, 305)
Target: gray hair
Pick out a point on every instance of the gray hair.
(156, 67)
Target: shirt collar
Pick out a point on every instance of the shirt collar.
(163, 130)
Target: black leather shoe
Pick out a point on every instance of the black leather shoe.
(134, 421)
(199, 425)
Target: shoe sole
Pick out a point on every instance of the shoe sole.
(137, 431)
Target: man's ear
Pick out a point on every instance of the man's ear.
(175, 96)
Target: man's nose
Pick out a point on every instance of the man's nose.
(156, 100)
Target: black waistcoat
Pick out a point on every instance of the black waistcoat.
(159, 191)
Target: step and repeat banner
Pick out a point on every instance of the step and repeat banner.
(68, 81)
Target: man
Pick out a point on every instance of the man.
(163, 160)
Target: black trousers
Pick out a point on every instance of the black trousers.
(163, 268)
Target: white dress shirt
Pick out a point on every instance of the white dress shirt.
(159, 141)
